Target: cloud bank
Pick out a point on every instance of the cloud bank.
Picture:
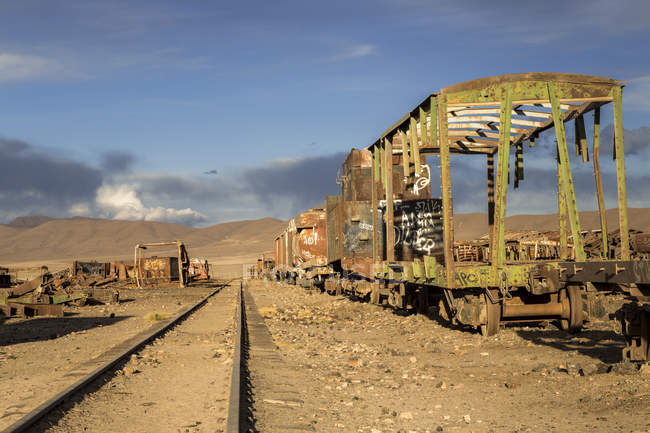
(33, 182)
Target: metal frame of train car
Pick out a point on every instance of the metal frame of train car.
(301, 249)
(494, 116)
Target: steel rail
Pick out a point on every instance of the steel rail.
(234, 411)
(115, 355)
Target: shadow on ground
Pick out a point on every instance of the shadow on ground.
(602, 345)
(48, 328)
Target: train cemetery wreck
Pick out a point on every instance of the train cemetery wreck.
(368, 312)
(98, 282)
(389, 241)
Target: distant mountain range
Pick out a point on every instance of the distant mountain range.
(41, 238)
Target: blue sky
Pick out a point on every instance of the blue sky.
(168, 90)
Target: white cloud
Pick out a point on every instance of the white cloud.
(14, 67)
(351, 52)
(122, 202)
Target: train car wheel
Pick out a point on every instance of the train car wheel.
(577, 309)
(564, 323)
(493, 318)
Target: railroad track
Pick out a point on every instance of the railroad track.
(110, 361)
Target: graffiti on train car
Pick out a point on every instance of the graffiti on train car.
(422, 180)
(418, 225)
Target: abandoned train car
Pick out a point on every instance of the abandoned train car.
(387, 239)
(301, 249)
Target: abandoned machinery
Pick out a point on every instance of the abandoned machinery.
(385, 239)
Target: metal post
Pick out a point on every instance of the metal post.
(390, 235)
(415, 148)
(490, 183)
(562, 210)
(406, 164)
(445, 187)
(565, 175)
(375, 207)
(433, 127)
(620, 172)
(499, 250)
(424, 134)
(599, 183)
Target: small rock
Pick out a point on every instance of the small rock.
(439, 428)
(129, 371)
(441, 385)
(413, 359)
(623, 368)
(406, 415)
(510, 385)
(467, 419)
(645, 369)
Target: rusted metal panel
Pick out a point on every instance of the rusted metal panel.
(418, 228)
(91, 268)
(161, 269)
(357, 229)
(334, 210)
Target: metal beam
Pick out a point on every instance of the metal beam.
(499, 250)
(375, 205)
(445, 187)
(415, 148)
(406, 164)
(599, 184)
(389, 215)
(490, 183)
(562, 211)
(565, 175)
(620, 172)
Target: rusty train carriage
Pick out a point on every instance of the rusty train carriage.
(301, 249)
(497, 116)
(388, 239)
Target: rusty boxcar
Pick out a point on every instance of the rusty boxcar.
(387, 239)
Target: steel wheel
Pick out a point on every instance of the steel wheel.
(577, 314)
(493, 317)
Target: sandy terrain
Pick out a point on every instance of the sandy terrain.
(181, 383)
(37, 355)
(363, 368)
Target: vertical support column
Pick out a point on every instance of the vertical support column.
(562, 210)
(415, 148)
(599, 183)
(424, 134)
(581, 138)
(375, 208)
(390, 233)
(433, 127)
(519, 163)
(445, 187)
(181, 281)
(380, 162)
(503, 169)
(490, 184)
(565, 175)
(406, 164)
(620, 172)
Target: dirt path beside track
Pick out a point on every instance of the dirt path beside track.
(364, 368)
(180, 383)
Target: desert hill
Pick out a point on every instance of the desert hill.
(474, 225)
(85, 238)
(63, 240)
